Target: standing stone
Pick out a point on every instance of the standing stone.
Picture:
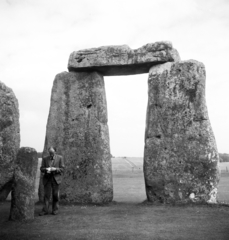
(181, 158)
(22, 202)
(77, 127)
(9, 138)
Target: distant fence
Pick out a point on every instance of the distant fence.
(124, 164)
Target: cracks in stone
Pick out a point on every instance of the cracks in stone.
(158, 105)
(79, 60)
(192, 92)
(158, 136)
(178, 70)
(200, 119)
(66, 130)
(89, 105)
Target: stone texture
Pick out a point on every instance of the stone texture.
(181, 158)
(22, 201)
(77, 127)
(41, 188)
(122, 60)
(9, 138)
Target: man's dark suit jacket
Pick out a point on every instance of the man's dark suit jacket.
(58, 164)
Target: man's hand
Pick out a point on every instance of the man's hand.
(48, 170)
(53, 169)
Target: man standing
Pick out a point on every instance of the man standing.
(52, 166)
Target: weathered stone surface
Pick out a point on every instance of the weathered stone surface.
(22, 201)
(181, 158)
(122, 60)
(41, 188)
(9, 138)
(77, 127)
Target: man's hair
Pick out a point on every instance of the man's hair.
(51, 147)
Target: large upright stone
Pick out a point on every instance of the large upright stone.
(122, 60)
(22, 201)
(9, 138)
(77, 127)
(181, 158)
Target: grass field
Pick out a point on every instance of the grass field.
(126, 217)
(129, 185)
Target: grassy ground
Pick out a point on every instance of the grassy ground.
(128, 180)
(127, 217)
(121, 221)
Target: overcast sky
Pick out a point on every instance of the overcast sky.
(37, 37)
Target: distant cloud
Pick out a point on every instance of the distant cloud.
(8, 2)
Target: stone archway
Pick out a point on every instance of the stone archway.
(180, 159)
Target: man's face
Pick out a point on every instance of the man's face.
(51, 152)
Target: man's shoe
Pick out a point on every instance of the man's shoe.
(54, 213)
(43, 213)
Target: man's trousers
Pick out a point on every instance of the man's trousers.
(51, 187)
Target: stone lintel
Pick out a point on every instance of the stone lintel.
(122, 60)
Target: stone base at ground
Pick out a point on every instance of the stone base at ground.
(22, 202)
(9, 138)
(181, 158)
(77, 127)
